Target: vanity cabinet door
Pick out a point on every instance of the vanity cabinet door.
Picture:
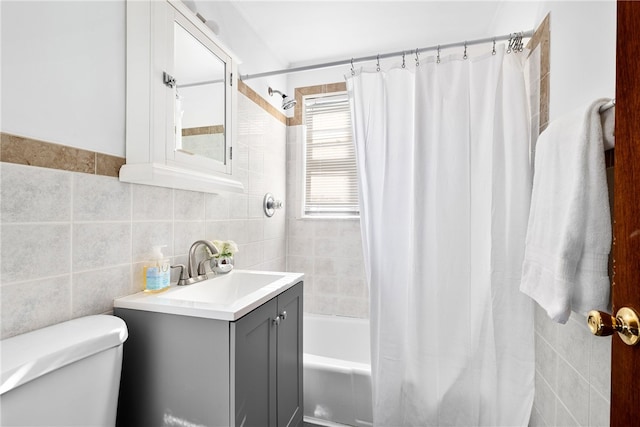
(289, 360)
(255, 367)
(267, 352)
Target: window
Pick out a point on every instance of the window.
(331, 184)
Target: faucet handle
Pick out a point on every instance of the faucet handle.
(202, 266)
(184, 277)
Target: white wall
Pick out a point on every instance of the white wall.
(582, 49)
(63, 68)
(63, 72)
(42, 54)
(254, 54)
(583, 52)
(510, 16)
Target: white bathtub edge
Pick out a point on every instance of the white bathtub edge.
(344, 366)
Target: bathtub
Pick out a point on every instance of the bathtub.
(337, 371)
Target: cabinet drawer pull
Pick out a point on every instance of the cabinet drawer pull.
(276, 321)
(283, 315)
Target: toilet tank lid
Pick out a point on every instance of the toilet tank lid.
(28, 356)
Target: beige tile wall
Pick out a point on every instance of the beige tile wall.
(328, 251)
(72, 241)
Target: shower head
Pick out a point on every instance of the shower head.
(287, 101)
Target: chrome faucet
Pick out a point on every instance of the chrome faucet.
(195, 274)
(192, 270)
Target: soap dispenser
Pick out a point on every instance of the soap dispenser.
(157, 271)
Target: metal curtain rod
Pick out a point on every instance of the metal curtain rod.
(386, 55)
(204, 83)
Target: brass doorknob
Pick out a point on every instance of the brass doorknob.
(625, 323)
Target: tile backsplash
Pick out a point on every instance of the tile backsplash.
(72, 241)
(328, 251)
(573, 374)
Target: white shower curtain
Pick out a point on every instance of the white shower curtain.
(443, 162)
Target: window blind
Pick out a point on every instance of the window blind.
(331, 186)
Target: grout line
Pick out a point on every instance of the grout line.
(591, 387)
(570, 413)
(36, 279)
(106, 267)
(37, 223)
(72, 178)
(573, 367)
(560, 356)
(131, 222)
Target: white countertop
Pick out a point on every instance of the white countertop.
(213, 298)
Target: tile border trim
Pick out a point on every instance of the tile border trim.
(301, 92)
(32, 152)
(542, 37)
(244, 89)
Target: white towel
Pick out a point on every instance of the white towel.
(569, 233)
(608, 128)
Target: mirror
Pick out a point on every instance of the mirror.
(181, 101)
(200, 97)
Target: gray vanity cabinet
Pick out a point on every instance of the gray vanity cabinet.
(268, 363)
(289, 360)
(182, 370)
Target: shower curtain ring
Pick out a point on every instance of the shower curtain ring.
(465, 50)
(403, 64)
(417, 60)
(378, 62)
(493, 52)
(353, 72)
(520, 44)
(438, 57)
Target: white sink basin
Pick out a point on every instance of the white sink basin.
(225, 297)
(222, 290)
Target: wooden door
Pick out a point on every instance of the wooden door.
(625, 363)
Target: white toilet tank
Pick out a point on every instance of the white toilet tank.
(63, 375)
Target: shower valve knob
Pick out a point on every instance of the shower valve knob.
(625, 323)
(270, 204)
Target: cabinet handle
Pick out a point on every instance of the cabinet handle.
(282, 316)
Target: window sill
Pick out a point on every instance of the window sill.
(330, 217)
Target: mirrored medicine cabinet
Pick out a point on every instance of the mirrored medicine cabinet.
(181, 101)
